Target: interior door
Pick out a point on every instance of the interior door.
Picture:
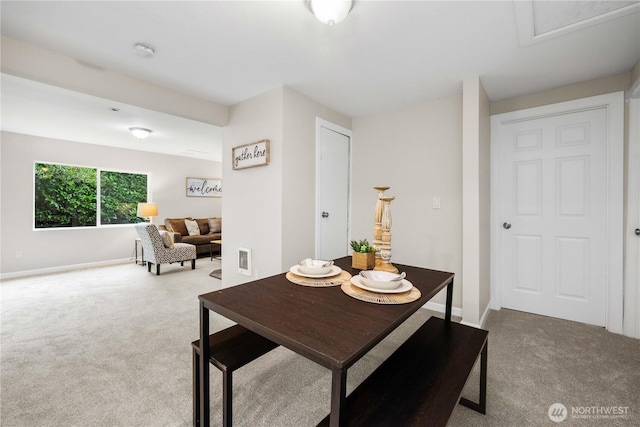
(333, 175)
(553, 214)
(632, 235)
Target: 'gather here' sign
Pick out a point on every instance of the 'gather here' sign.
(250, 155)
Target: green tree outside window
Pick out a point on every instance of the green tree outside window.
(120, 194)
(66, 196)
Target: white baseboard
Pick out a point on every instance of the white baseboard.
(482, 318)
(441, 308)
(456, 311)
(25, 273)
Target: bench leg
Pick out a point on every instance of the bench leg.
(193, 264)
(227, 393)
(227, 390)
(157, 269)
(196, 388)
(482, 405)
(149, 267)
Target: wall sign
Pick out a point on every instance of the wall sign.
(204, 187)
(251, 155)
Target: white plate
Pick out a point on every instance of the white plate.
(335, 270)
(405, 286)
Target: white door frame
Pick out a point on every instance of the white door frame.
(321, 123)
(614, 104)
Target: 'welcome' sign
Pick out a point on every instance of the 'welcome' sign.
(204, 187)
(250, 155)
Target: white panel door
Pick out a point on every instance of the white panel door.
(553, 240)
(632, 255)
(333, 194)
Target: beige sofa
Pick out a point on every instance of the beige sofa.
(209, 229)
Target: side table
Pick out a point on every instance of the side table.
(137, 243)
(215, 242)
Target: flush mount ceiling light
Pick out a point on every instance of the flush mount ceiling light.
(330, 12)
(143, 50)
(140, 133)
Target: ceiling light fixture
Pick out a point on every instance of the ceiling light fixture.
(144, 50)
(330, 12)
(140, 133)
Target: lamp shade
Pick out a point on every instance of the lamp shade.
(147, 209)
(331, 11)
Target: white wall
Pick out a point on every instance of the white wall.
(417, 151)
(270, 209)
(475, 201)
(46, 249)
(252, 212)
(299, 173)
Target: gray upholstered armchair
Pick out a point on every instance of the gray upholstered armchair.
(158, 250)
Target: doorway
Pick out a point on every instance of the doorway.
(333, 181)
(556, 230)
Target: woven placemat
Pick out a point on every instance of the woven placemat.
(336, 280)
(376, 298)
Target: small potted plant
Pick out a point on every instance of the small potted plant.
(364, 255)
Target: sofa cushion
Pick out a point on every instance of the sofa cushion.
(192, 227)
(215, 225)
(203, 223)
(177, 225)
(167, 239)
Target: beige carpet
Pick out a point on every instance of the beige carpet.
(111, 347)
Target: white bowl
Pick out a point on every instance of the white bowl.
(380, 279)
(314, 266)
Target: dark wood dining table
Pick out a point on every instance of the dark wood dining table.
(323, 324)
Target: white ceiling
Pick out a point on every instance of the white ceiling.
(385, 55)
(39, 109)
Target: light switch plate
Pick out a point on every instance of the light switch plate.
(436, 202)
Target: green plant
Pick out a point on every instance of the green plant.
(362, 246)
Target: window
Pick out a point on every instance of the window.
(119, 196)
(72, 196)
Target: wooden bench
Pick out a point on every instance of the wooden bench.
(422, 381)
(231, 348)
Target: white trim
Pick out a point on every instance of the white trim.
(495, 247)
(321, 123)
(483, 318)
(441, 308)
(63, 268)
(634, 90)
(614, 104)
(525, 22)
(456, 311)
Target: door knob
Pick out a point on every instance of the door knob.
(637, 231)
(506, 225)
(325, 214)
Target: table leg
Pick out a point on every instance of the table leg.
(447, 314)
(338, 395)
(205, 409)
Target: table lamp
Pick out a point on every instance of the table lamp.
(147, 210)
